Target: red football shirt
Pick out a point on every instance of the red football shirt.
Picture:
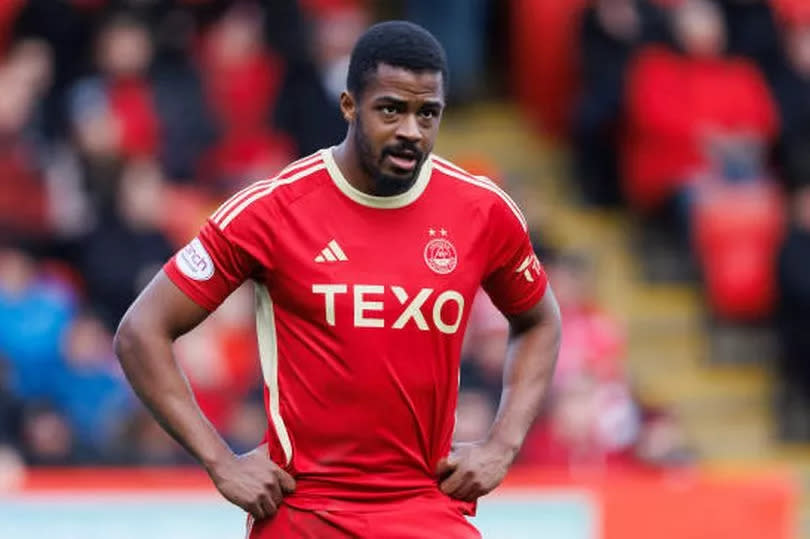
(361, 307)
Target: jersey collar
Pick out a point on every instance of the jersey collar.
(392, 202)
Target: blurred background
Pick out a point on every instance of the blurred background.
(659, 148)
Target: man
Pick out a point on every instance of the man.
(366, 258)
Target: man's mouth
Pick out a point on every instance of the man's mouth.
(405, 161)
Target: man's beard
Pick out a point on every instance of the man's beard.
(384, 184)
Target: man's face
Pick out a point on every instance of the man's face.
(395, 123)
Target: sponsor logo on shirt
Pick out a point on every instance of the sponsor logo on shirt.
(440, 254)
(194, 261)
(368, 303)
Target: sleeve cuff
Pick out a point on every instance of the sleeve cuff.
(182, 283)
(527, 302)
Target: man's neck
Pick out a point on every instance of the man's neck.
(345, 156)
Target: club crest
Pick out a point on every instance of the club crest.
(440, 256)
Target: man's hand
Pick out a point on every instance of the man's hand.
(473, 469)
(253, 482)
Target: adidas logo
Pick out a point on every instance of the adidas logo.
(332, 253)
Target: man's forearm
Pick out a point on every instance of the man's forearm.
(527, 374)
(143, 344)
(152, 371)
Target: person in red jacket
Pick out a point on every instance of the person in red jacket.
(692, 112)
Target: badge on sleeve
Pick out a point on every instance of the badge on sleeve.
(194, 262)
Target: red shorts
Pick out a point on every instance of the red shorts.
(407, 521)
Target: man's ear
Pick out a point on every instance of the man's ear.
(348, 106)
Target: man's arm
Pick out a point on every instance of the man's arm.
(527, 371)
(143, 344)
(473, 470)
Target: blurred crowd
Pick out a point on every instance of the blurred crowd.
(692, 116)
(123, 123)
(592, 418)
(122, 126)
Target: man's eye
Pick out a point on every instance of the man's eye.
(428, 114)
(388, 110)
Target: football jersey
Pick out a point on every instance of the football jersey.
(361, 306)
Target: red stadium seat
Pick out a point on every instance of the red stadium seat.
(737, 230)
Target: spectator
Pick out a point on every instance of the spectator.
(791, 82)
(34, 314)
(286, 28)
(593, 343)
(752, 31)
(242, 79)
(611, 31)
(308, 108)
(92, 392)
(187, 126)
(587, 424)
(30, 62)
(113, 118)
(47, 437)
(124, 54)
(242, 76)
(460, 26)
(68, 28)
(24, 200)
(136, 108)
(794, 322)
(88, 168)
(124, 251)
(692, 112)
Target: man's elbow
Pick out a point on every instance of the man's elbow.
(128, 337)
(123, 341)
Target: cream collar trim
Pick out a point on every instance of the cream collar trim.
(373, 201)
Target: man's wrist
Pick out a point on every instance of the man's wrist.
(504, 446)
(216, 459)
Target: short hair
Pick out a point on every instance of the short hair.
(399, 44)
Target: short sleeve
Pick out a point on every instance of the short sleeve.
(210, 267)
(516, 280)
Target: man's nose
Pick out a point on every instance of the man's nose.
(408, 129)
